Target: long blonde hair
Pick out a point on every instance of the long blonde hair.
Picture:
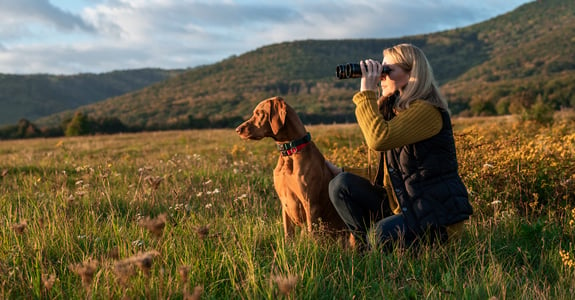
(421, 84)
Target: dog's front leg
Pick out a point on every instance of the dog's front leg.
(289, 226)
(311, 218)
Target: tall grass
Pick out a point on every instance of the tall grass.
(190, 214)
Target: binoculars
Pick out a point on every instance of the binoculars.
(352, 70)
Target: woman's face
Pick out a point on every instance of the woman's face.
(396, 79)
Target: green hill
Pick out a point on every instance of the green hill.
(495, 67)
(39, 95)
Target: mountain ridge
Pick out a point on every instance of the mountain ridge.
(496, 67)
(31, 96)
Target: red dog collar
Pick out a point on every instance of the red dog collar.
(294, 146)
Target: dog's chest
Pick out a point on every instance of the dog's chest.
(284, 167)
(293, 177)
(295, 169)
(287, 177)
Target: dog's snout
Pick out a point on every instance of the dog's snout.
(240, 128)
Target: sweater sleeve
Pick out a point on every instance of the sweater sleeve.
(419, 122)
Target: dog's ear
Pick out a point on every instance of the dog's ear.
(277, 114)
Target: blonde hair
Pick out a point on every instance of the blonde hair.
(421, 84)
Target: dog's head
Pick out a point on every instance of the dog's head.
(268, 118)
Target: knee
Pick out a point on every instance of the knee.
(390, 228)
(336, 186)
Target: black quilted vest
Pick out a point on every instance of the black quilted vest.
(426, 182)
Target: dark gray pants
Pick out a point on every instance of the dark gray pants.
(364, 206)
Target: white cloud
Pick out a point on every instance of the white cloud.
(17, 14)
(106, 35)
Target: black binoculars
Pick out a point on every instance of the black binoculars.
(353, 70)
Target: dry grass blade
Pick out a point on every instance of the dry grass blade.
(154, 181)
(114, 253)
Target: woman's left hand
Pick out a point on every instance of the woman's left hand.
(371, 74)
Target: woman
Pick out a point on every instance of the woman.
(417, 193)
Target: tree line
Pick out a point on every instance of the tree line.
(82, 124)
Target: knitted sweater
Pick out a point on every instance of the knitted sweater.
(419, 122)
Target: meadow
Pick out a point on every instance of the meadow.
(193, 215)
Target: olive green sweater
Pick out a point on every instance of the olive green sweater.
(418, 122)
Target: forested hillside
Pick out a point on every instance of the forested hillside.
(500, 66)
(34, 96)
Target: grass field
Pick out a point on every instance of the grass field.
(190, 214)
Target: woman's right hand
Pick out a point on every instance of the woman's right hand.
(371, 74)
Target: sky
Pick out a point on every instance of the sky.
(95, 36)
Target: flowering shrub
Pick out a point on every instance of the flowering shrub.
(523, 166)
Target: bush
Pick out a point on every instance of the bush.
(540, 112)
(79, 125)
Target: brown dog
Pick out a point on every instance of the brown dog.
(301, 176)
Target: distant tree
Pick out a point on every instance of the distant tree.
(502, 106)
(110, 125)
(482, 107)
(540, 112)
(198, 123)
(79, 125)
(24, 129)
(52, 131)
(516, 107)
(9, 132)
(27, 130)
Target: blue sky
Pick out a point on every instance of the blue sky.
(80, 36)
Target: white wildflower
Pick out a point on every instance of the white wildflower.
(242, 196)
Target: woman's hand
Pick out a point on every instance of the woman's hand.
(371, 74)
